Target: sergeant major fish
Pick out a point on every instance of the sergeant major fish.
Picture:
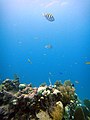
(49, 17)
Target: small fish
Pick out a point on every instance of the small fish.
(76, 81)
(29, 61)
(88, 63)
(48, 46)
(50, 73)
(49, 17)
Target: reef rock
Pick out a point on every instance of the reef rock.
(79, 114)
(57, 111)
(53, 102)
(43, 115)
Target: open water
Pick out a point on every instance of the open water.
(38, 50)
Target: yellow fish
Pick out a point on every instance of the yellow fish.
(88, 63)
(29, 61)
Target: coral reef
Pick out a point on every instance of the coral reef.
(57, 111)
(79, 114)
(54, 102)
(86, 109)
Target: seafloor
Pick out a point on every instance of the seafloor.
(54, 102)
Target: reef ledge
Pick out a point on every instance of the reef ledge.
(54, 102)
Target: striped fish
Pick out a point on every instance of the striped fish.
(49, 17)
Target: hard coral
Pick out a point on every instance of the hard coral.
(79, 114)
(67, 93)
(57, 111)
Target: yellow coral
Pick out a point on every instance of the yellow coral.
(57, 112)
(42, 115)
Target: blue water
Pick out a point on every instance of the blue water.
(24, 32)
